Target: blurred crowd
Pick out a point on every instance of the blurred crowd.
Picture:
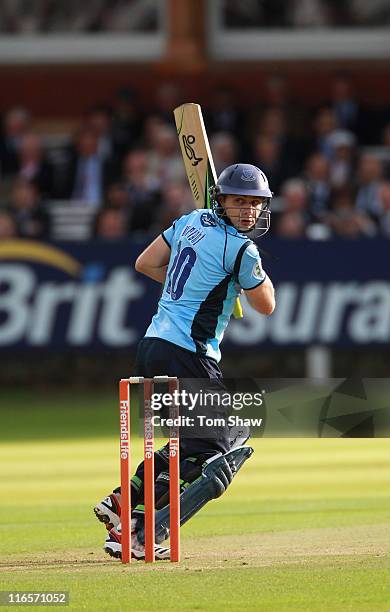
(329, 167)
(305, 13)
(72, 16)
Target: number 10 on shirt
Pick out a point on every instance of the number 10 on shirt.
(198, 160)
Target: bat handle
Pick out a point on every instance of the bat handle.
(237, 310)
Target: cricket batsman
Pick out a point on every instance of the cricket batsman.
(204, 261)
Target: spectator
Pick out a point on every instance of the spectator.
(317, 185)
(24, 17)
(143, 190)
(344, 103)
(291, 225)
(272, 124)
(111, 224)
(325, 123)
(165, 161)
(16, 124)
(8, 227)
(85, 174)
(277, 96)
(370, 174)
(342, 165)
(32, 164)
(276, 91)
(308, 13)
(294, 199)
(125, 16)
(100, 121)
(224, 150)
(167, 98)
(384, 214)
(346, 221)
(294, 196)
(152, 126)
(72, 16)
(385, 137)
(267, 156)
(31, 218)
(223, 115)
(176, 201)
(240, 15)
(371, 13)
(117, 197)
(127, 122)
(136, 173)
(385, 149)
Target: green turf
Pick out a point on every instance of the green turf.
(305, 526)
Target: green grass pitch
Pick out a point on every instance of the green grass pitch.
(305, 526)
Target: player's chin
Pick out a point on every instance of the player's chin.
(246, 225)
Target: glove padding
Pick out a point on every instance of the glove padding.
(220, 472)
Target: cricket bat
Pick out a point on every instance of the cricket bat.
(198, 160)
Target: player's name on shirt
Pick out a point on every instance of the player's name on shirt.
(193, 234)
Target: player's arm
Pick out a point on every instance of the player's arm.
(153, 261)
(256, 284)
(262, 298)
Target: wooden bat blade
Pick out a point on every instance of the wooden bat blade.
(198, 161)
(196, 152)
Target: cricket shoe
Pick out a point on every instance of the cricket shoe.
(113, 546)
(109, 511)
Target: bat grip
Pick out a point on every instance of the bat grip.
(237, 310)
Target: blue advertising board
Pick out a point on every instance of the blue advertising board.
(87, 296)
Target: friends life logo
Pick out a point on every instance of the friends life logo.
(49, 298)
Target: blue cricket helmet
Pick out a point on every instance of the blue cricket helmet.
(243, 179)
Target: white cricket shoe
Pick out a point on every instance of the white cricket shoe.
(108, 511)
(113, 546)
